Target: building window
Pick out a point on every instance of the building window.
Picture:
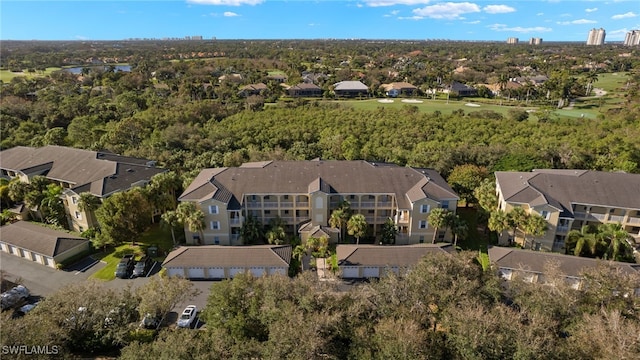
(545, 214)
(286, 197)
(445, 204)
(213, 209)
(423, 224)
(424, 209)
(80, 228)
(267, 212)
(74, 200)
(216, 240)
(421, 239)
(286, 212)
(215, 225)
(78, 215)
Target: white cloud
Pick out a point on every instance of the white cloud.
(498, 9)
(472, 22)
(447, 10)
(503, 27)
(591, 10)
(226, 2)
(376, 3)
(540, 14)
(411, 18)
(624, 16)
(577, 22)
(617, 34)
(230, 14)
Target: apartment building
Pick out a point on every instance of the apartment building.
(570, 199)
(77, 171)
(596, 36)
(535, 41)
(304, 194)
(513, 40)
(632, 38)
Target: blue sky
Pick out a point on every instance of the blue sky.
(552, 20)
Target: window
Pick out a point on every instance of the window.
(445, 204)
(421, 239)
(215, 225)
(80, 228)
(213, 209)
(286, 212)
(74, 200)
(423, 224)
(424, 208)
(545, 214)
(286, 197)
(216, 240)
(267, 212)
(78, 215)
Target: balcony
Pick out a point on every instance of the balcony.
(385, 204)
(270, 204)
(590, 216)
(234, 221)
(616, 218)
(367, 204)
(403, 219)
(254, 205)
(303, 204)
(286, 204)
(633, 220)
(562, 229)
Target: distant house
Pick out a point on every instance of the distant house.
(235, 78)
(350, 89)
(252, 89)
(40, 244)
(462, 89)
(533, 266)
(311, 77)
(77, 171)
(277, 77)
(396, 89)
(225, 262)
(373, 261)
(305, 90)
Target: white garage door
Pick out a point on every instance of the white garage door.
(39, 259)
(4, 247)
(196, 273)
(234, 271)
(14, 250)
(350, 272)
(175, 272)
(216, 273)
(49, 262)
(371, 272)
(277, 271)
(257, 271)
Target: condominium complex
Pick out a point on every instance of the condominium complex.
(512, 40)
(632, 38)
(596, 36)
(304, 194)
(77, 171)
(569, 200)
(535, 41)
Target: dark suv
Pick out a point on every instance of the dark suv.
(125, 267)
(142, 266)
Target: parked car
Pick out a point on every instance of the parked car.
(187, 317)
(14, 297)
(142, 266)
(124, 269)
(151, 321)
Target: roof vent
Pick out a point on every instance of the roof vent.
(129, 170)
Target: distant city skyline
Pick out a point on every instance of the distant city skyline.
(552, 20)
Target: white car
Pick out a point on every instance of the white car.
(187, 317)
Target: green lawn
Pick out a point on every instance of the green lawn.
(156, 235)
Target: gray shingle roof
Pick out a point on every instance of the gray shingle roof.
(300, 177)
(229, 256)
(100, 173)
(561, 188)
(399, 255)
(39, 239)
(350, 85)
(536, 261)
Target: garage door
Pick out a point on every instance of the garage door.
(196, 273)
(277, 271)
(350, 272)
(257, 271)
(175, 272)
(4, 247)
(39, 259)
(14, 250)
(216, 273)
(49, 262)
(371, 272)
(235, 271)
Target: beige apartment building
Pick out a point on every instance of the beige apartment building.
(77, 171)
(570, 199)
(304, 194)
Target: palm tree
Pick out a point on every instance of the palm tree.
(438, 218)
(516, 218)
(338, 220)
(171, 219)
(357, 226)
(276, 235)
(503, 80)
(581, 240)
(51, 205)
(535, 225)
(251, 230)
(459, 228)
(190, 215)
(389, 232)
(498, 221)
(591, 77)
(615, 238)
(88, 203)
(299, 253)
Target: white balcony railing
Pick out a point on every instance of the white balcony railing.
(302, 204)
(562, 229)
(616, 218)
(633, 220)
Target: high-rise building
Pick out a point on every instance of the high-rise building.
(596, 36)
(535, 41)
(632, 38)
(512, 40)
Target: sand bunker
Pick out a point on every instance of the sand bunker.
(385, 101)
(472, 105)
(412, 101)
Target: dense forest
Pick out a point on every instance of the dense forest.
(447, 307)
